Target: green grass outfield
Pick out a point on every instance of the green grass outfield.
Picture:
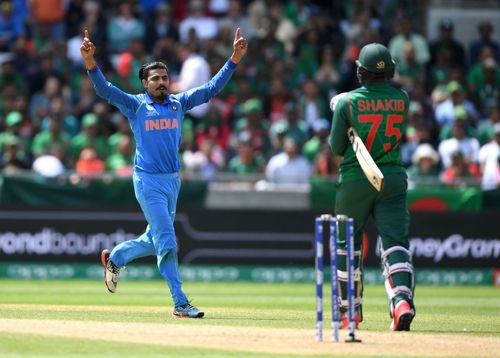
(81, 319)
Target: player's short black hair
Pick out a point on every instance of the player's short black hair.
(145, 68)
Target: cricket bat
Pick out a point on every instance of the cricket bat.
(366, 162)
(368, 165)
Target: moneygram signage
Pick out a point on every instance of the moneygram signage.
(455, 247)
(437, 240)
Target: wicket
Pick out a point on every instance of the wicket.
(328, 226)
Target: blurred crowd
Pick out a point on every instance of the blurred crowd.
(273, 117)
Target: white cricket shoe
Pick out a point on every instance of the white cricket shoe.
(111, 271)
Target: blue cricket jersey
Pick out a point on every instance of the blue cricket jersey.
(157, 126)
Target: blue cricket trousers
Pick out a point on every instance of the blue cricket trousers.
(157, 194)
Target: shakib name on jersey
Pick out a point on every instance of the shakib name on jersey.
(381, 105)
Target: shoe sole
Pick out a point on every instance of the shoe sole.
(104, 256)
(199, 315)
(404, 322)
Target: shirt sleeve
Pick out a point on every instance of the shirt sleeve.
(203, 94)
(126, 103)
(340, 123)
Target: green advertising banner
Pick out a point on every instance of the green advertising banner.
(422, 198)
(107, 191)
(210, 273)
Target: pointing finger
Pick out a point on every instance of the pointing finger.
(237, 34)
(87, 34)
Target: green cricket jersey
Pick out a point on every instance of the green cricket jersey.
(378, 112)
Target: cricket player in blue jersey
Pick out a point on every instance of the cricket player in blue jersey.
(156, 118)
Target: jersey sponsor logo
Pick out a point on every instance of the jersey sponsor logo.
(160, 124)
(381, 105)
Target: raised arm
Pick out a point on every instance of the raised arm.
(125, 102)
(203, 94)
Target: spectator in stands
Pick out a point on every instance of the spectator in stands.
(41, 101)
(418, 130)
(49, 16)
(419, 95)
(129, 63)
(89, 136)
(235, 18)
(108, 121)
(258, 15)
(9, 75)
(162, 27)
(73, 47)
(123, 130)
(89, 163)
(13, 159)
(149, 7)
(96, 23)
(425, 165)
(308, 48)
(123, 28)
(405, 33)
(484, 81)
(485, 130)
(489, 160)
(255, 125)
(286, 31)
(83, 99)
(462, 115)
(438, 77)
(445, 111)
(246, 161)
(297, 128)
(207, 161)
(447, 42)
(278, 132)
(460, 171)
(328, 74)
(58, 111)
(312, 106)
(204, 27)
(326, 163)
(188, 136)
(485, 29)
(459, 142)
(272, 48)
(52, 140)
(314, 146)
(353, 30)
(12, 16)
(289, 167)
(12, 128)
(195, 72)
(278, 97)
(213, 127)
(409, 71)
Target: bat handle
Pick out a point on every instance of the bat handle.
(350, 134)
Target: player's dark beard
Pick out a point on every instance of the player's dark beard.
(159, 97)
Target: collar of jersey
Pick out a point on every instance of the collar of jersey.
(376, 84)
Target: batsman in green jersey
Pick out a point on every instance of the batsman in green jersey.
(377, 111)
